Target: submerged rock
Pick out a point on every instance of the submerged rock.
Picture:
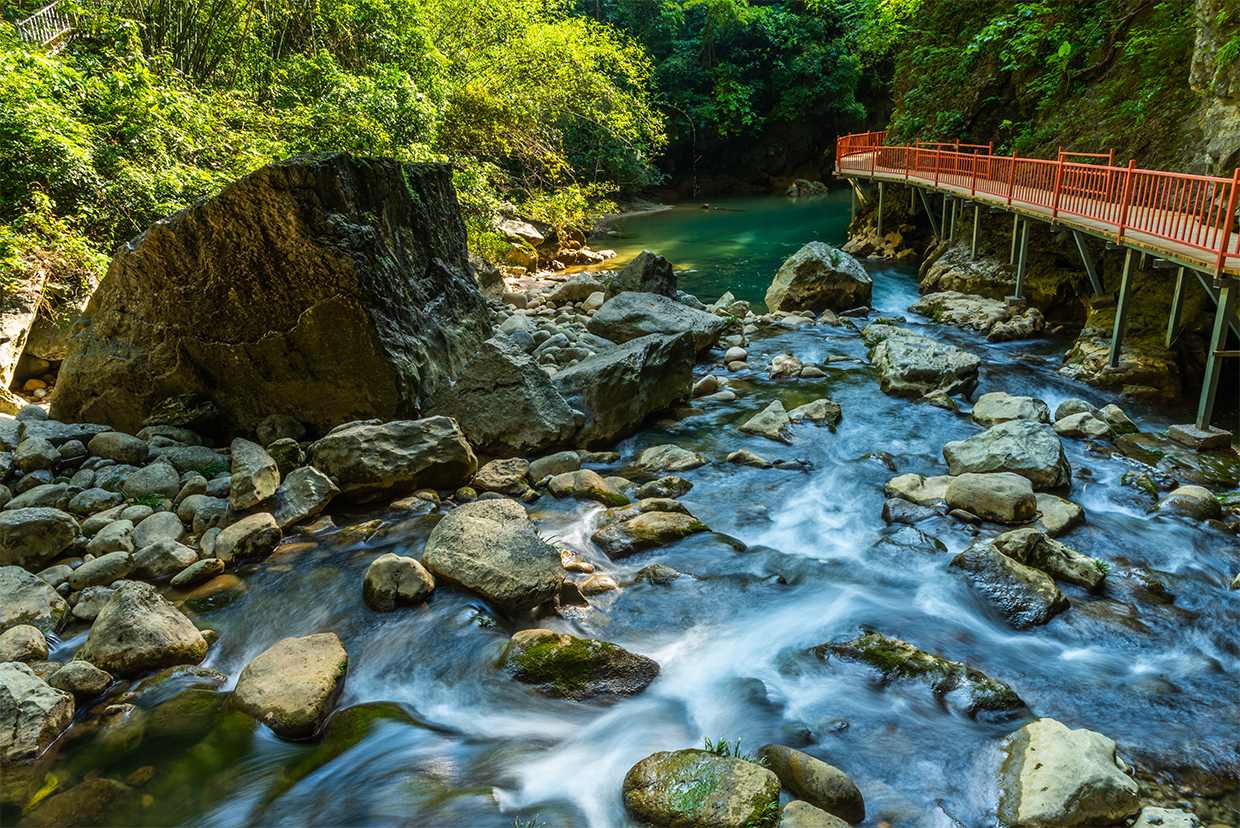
(1032, 450)
(563, 666)
(821, 785)
(701, 789)
(1053, 777)
(950, 681)
(97, 801)
(646, 531)
(330, 288)
(819, 277)
(293, 685)
(630, 316)
(1026, 596)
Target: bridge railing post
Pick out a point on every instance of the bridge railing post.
(938, 155)
(1123, 200)
(973, 182)
(1228, 218)
(1058, 185)
(1011, 179)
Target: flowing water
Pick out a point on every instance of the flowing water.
(799, 559)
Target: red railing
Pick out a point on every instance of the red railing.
(1195, 211)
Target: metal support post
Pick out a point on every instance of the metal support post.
(853, 190)
(1015, 228)
(1020, 264)
(1209, 382)
(947, 206)
(1090, 270)
(955, 207)
(977, 220)
(880, 209)
(1177, 306)
(1121, 310)
(925, 202)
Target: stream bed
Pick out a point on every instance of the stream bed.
(795, 559)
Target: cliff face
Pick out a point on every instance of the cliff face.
(1215, 76)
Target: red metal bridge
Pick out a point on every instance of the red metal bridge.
(1184, 221)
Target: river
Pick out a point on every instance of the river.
(800, 559)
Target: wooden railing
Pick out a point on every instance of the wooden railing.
(49, 26)
(1195, 214)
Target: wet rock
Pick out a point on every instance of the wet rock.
(123, 448)
(924, 491)
(646, 531)
(585, 484)
(619, 388)
(798, 814)
(1198, 439)
(138, 632)
(1053, 777)
(1001, 497)
(669, 486)
(504, 403)
(97, 801)
(1025, 596)
(1191, 501)
(563, 666)
(28, 599)
(908, 539)
(997, 407)
(697, 788)
(102, 570)
(393, 579)
(1119, 422)
(293, 685)
(910, 365)
(32, 537)
(819, 277)
(658, 574)
(117, 536)
(303, 494)
(647, 273)
(748, 458)
(1032, 548)
(503, 476)
(255, 476)
(951, 681)
(197, 573)
(32, 714)
(1073, 406)
(771, 422)
(162, 559)
(898, 510)
(1032, 450)
(600, 584)
(370, 460)
(1165, 818)
(669, 458)
(159, 526)
(254, 536)
(818, 411)
(821, 785)
(1057, 516)
(1083, 425)
(629, 316)
(785, 366)
(553, 464)
(492, 548)
(83, 680)
(23, 643)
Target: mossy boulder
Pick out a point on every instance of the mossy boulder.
(951, 682)
(97, 801)
(698, 789)
(1027, 597)
(646, 531)
(585, 484)
(563, 666)
(1191, 501)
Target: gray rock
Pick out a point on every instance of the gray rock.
(56, 575)
(647, 273)
(1165, 818)
(113, 477)
(1057, 516)
(32, 714)
(198, 572)
(254, 536)
(334, 313)
(158, 478)
(91, 501)
(1083, 425)
(998, 407)
(910, 365)
(1074, 406)
(370, 460)
(293, 685)
(1025, 596)
(577, 289)
(304, 493)
(819, 411)
(139, 632)
(162, 559)
(190, 458)
(1118, 420)
(562, 666)
(1031, 450)
(619, 388)
(35, 453)
(58, 433)
(669, 458)
(1001, 496)
(32, 537)
(102, 570)
(23, 643)
(487, 276)
(552, 464)
(771, 422)
(159, 526)
(213, 514)
(585, 484)
(798, 814)
(39, 494)
(492, 548)
(180, 435)
(117, 536)
(1190, 501)
(82, 680)
(665, 487)
(1053, 777)
(255, 476)
(924, 491)
(1063, 563)
(507, 477)
(394, 579)
(279, 427)
(819, 277)
(723, 790)
(630, 316)
(821, 785)
(28, 599)
(91, 602)
(191, 504)
(123, 448)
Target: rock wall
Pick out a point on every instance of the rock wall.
(330, 288)
(1218, 82)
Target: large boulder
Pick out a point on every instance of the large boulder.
(1032, 450)
(255, 476)
(647, 273)
(492, 548)
(1027, 597)
(505, 403)
(369, 460)
(1001, 496)
(911, 365)
(618, 388)
(1000, 407)
(699, 789)
(138, 632)
(32, 714)
(31, 537)
(28, 599)
(330, 288)
(821, 785)
(1053, 777)
(1061, 562)
(819, 277)
(633, 315)
(303, 494)
(566, 667)
(293, 685)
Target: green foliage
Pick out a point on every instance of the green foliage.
(528, 823)
(152, 500)
(210, 470)
(1102, 566)
(722, 747)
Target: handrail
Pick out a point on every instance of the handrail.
(48, 26)
(1196, 211)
